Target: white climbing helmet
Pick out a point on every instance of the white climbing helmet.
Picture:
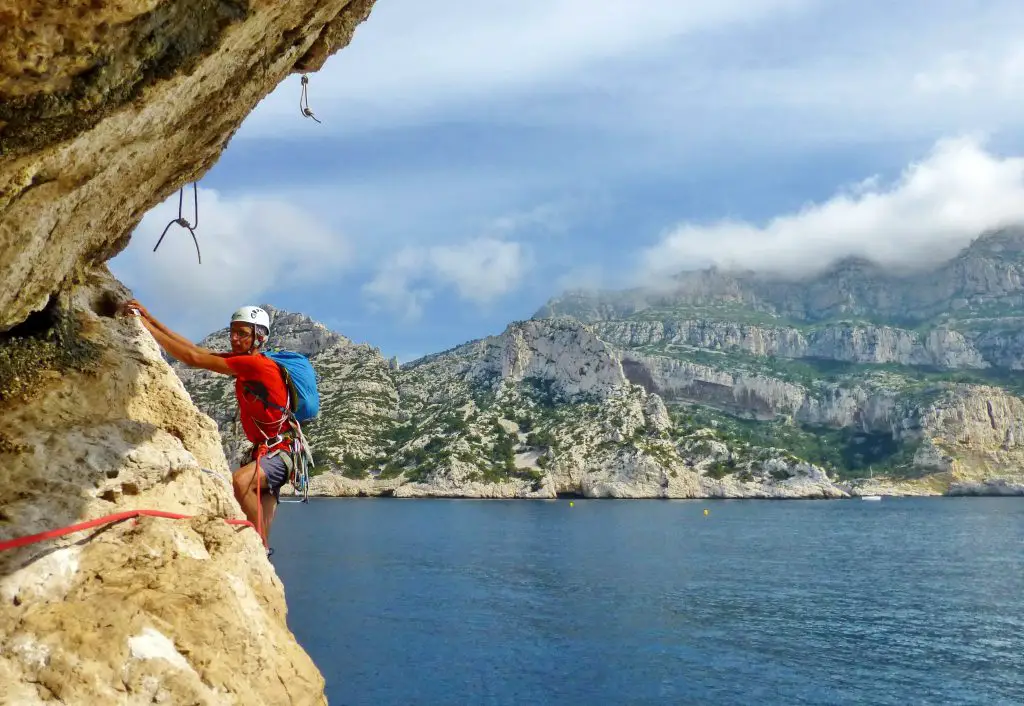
(252, 315)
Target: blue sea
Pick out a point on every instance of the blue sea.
(903, 601)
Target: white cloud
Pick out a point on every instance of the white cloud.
(393, 286)
(1011, 70)
(409, 59)
(513, 102)
(936, 207)
(583, 277)
(952, 73)
(547, 218)
(479, 270)
(993, 71)
(250, 248)
(680, 73)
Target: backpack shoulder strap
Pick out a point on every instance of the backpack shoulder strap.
(260, 392)
(289, 384)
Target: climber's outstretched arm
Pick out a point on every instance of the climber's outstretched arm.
(185, 351)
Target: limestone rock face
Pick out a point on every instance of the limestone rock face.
(862, 369)
(806, 482)
(106, 109)
(335, 485)
(758, 396)
(542, 409)
(941, 347)
(977, 433)
(185, 611)
(106, 112)
(993, 486)
(683, 380)
(578, 361)
(547, 409)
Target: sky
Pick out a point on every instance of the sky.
(476, 159)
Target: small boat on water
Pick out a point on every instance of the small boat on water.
(870, 497)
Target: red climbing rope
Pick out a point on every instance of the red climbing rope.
(260, 452)
(105, 520)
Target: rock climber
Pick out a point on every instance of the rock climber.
(257, 381)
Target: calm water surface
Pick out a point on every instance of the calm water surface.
(904, 601)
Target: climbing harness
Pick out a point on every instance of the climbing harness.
(297, 464)
(303, 402)
(183, 222)
(295, 456)
(304, 99)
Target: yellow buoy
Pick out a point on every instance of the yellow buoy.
(570, 503)
(705, 512)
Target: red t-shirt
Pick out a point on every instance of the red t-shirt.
(257, 371)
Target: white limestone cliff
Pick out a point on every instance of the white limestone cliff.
(107, 109)
(941, 347)
(146, 610)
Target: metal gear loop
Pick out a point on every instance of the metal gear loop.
(304, 99)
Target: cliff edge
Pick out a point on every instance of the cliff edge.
(105, 111)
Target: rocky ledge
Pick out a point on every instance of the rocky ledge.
(143, 611)
(107, 109)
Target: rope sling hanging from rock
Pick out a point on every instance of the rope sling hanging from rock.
(183, 222)
(304, 99)
(191, 227)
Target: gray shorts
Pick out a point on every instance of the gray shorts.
(276, 471)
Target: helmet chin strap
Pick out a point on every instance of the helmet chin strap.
(257, 341)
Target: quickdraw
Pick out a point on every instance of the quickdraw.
(304, 99)
(299, 476)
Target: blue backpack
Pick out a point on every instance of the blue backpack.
(300, 379)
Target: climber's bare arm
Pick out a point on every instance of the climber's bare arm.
(187, 353)
(134, 304)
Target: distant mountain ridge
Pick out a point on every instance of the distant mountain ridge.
(986, 278)
(733, 385)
